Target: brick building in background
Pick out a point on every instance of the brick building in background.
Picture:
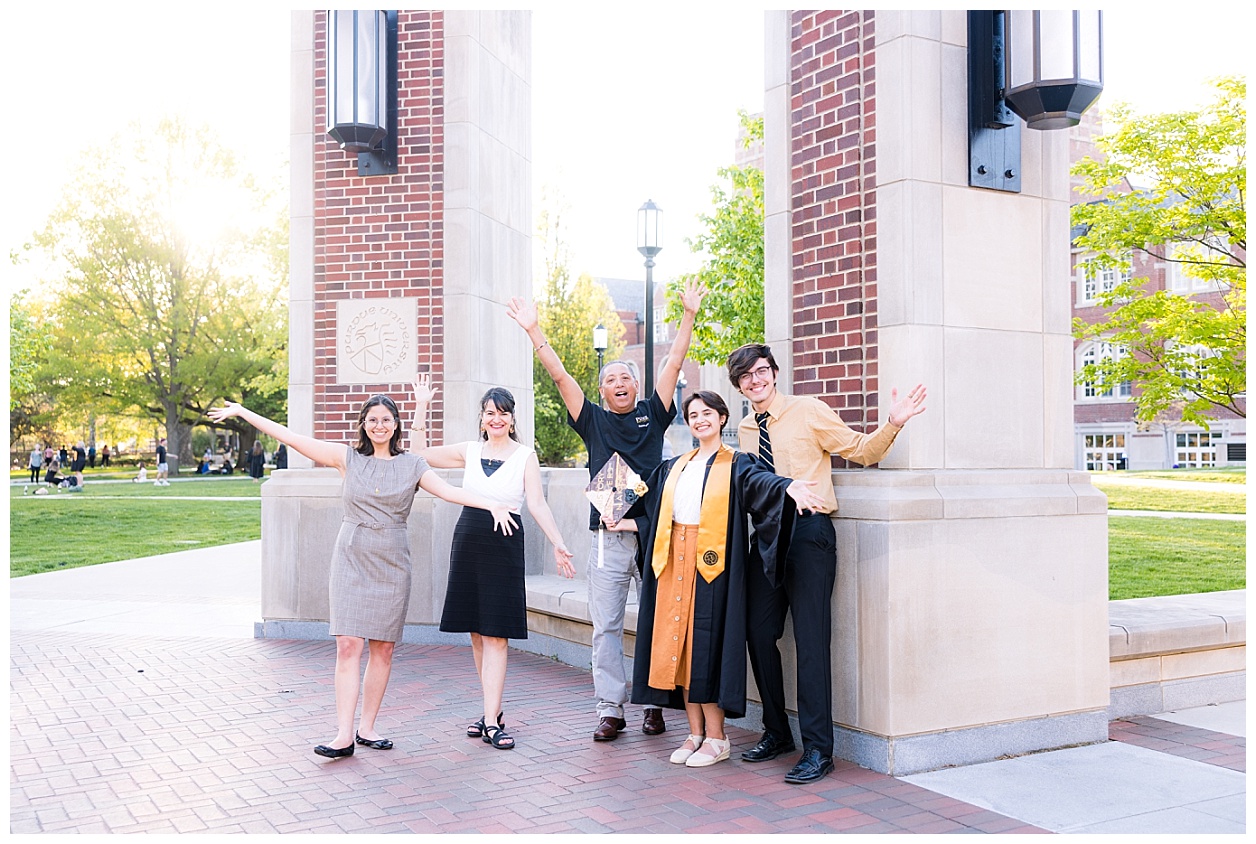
(1107, 435)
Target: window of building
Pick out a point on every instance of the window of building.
(1196, 450)
(1094, 354)
(660, 326)
(1178, 278)
(1100, 281)
(1105, 452)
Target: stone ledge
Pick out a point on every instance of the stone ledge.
(1145, 627)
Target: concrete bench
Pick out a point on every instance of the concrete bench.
(1166, 653)
(1178, 651)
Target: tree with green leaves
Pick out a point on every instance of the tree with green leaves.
(1185, 355)
(567, 313)
(732, 312)
(30, 400)
(172, 280)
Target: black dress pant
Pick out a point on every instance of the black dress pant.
(810, 570)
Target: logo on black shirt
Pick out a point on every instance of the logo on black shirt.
(643, 421)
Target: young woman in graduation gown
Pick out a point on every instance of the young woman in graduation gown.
(691, 622)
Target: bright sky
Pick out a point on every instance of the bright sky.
(629, 104)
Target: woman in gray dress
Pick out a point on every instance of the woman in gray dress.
(370, 570)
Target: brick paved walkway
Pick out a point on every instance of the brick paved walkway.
(1202, 745)
(144, 734)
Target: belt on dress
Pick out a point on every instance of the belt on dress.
(378, 525)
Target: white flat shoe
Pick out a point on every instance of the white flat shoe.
(683, 752)
(713, 750)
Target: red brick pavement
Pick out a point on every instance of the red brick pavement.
(124, 734)
(1219, 749)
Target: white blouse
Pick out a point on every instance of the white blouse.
(687, 498)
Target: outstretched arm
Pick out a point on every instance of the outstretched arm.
(691, 298)
(329, 454)
(438, 486)
(540, 510)
(524, 313)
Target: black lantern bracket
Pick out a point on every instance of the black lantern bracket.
(994, 131)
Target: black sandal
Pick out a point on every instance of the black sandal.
(476, 730)
(498, 737)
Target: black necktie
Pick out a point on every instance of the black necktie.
(765, 442)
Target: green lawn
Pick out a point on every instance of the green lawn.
(1122, 497)
(1149, 556)
(1226, 475)
(234, 486)
(108, 522)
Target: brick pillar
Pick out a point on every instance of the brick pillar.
(397, 274)
(970, 614)
(833, 211)
(379, 245)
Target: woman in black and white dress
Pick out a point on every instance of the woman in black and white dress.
(486, 596)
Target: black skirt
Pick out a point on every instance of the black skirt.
(486, 592)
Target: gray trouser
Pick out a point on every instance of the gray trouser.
(608, 595)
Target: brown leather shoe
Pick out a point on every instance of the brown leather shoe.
(653, 724)
(608, 729)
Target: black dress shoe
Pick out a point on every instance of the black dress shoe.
(375, 744)
(334, 752)
(811, 767)
(769, 747)
(653, 724)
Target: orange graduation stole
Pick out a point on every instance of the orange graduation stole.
(712, 523)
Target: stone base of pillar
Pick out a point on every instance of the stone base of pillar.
(970, 615)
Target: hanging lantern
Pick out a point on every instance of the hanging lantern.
(1054, 64)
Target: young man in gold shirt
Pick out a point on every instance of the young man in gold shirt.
(796, 435)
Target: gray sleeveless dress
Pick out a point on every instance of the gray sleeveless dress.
(370, 566)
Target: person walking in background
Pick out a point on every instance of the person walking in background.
(80, 463)
(795, 436)
(63, 456)
(635, 430)
(691, 625)
(281, 457)
(486, 595)
(369, 589)
(91, 456)
(257, 461)
(49, 454)
(35, 463)
(163, 468)
(104, 457)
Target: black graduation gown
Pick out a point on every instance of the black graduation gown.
(718, 672)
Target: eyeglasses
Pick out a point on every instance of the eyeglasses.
(387, 422)
(759, 373)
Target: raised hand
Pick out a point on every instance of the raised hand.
(693, 294)
(424, 392)
(804, 498)
(563, 558)
(523, 312)
(228, 410)
(913, 405)
(503, 521)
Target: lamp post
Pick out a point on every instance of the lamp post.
(649, 244)
(599, 346)
(681, 383)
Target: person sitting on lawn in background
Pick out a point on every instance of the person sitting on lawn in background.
(141, 477)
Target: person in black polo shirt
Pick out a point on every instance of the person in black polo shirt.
(634, 429)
